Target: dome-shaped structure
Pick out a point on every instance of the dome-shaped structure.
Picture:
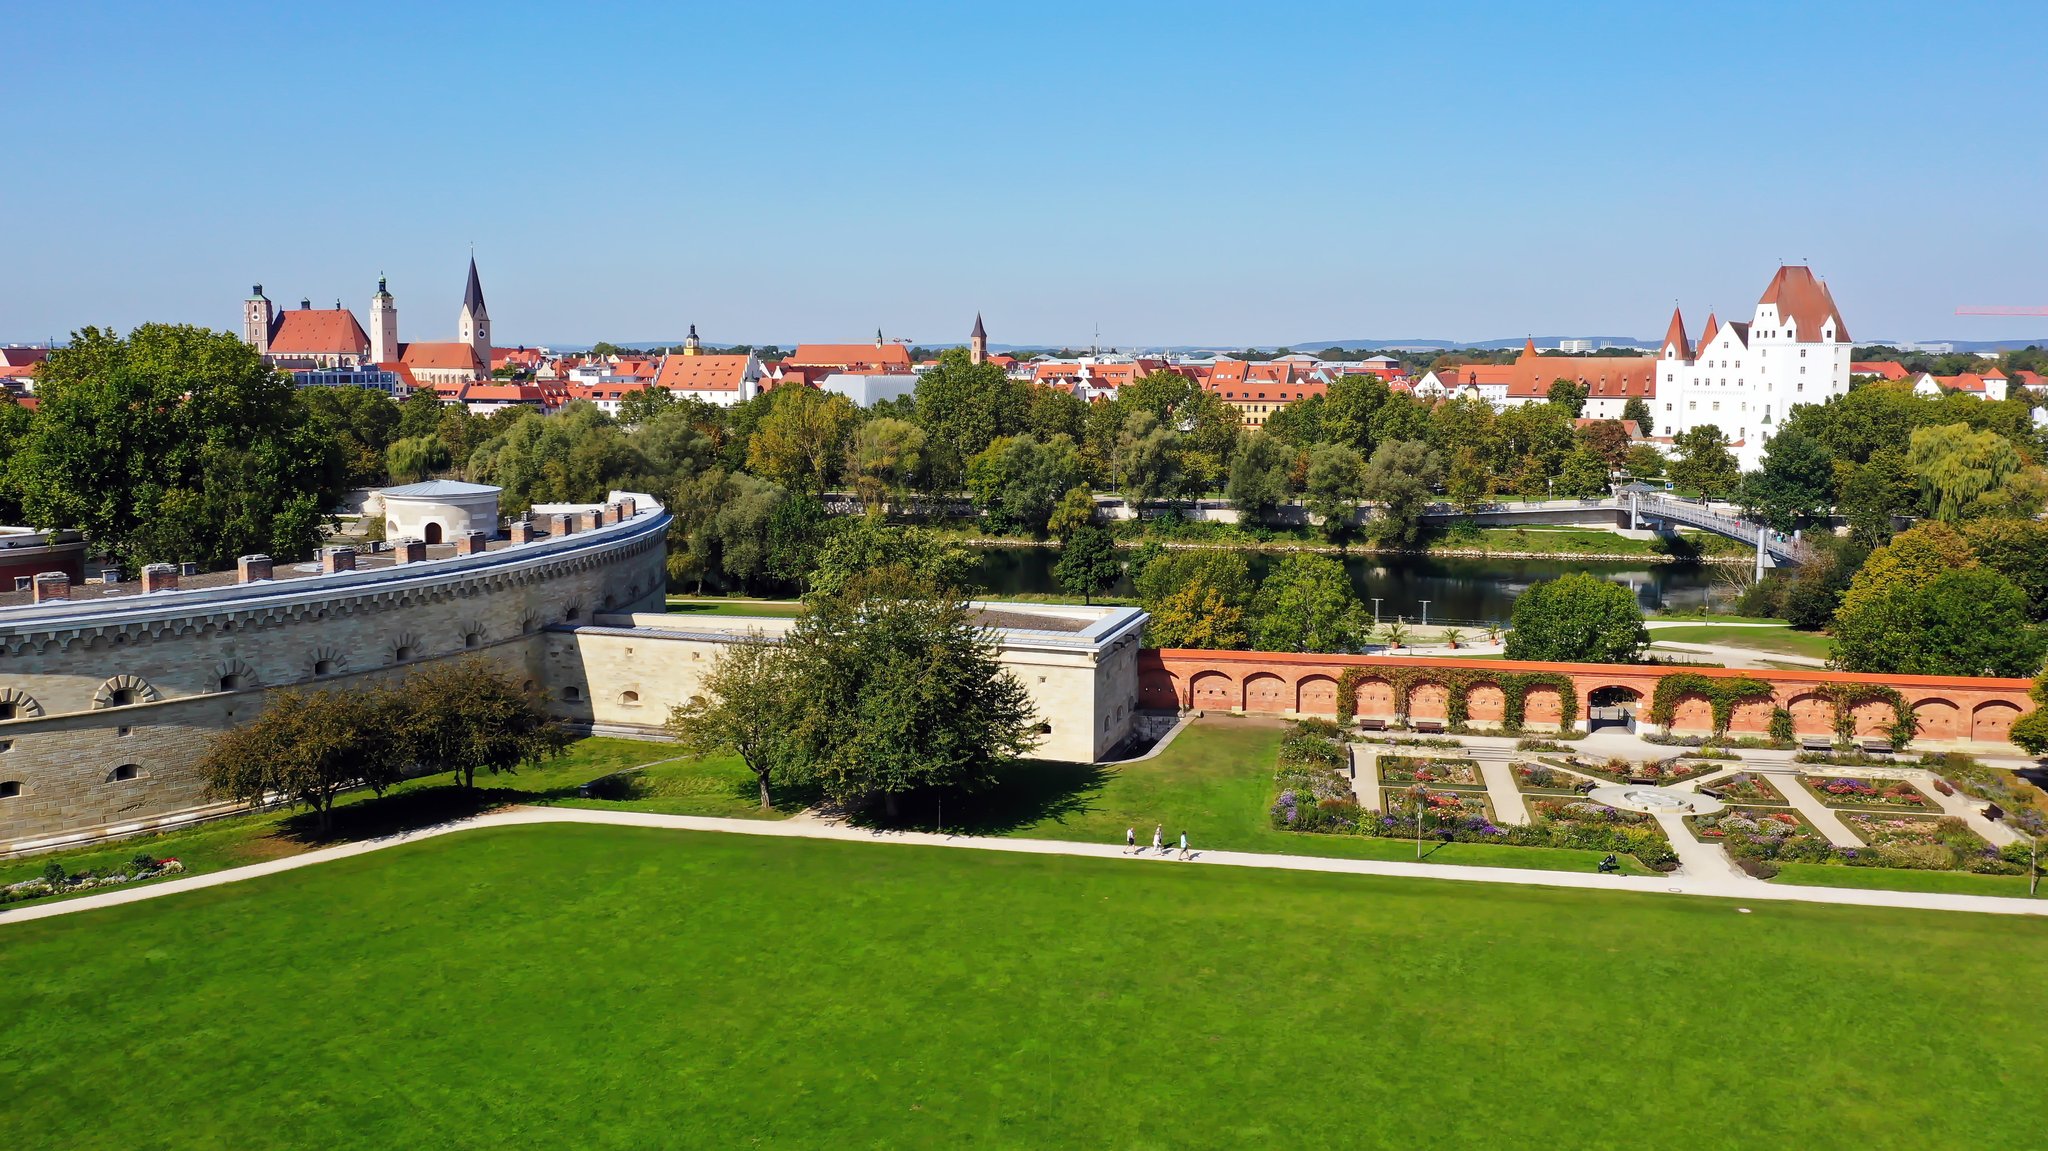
(439, 511)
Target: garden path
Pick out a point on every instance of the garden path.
(1499, 774)
(1819, 814)
(1695, 859)
(1743, 888)
(1365, 777)
(1971, 813)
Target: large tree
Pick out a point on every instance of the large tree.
(1965, 621)
(1705, 466)
(1017, 481)
(311, 747)
(1198, 597)
(1335, 486)
(746, 709)
(1577, 618)
(1088, 565)
(1964, 474)
(1797, 479)
(882, 458)
(1307, 604)
(863, 543)
(1399, 478)
(801, 441)
(1258, 477)
(898, 689)
(963, 406)
(458, 716)
(173, 443)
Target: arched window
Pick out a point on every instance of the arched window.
(572, 693)
(401, 653)
(10, 789)
(323, 667)
(472, 639)
(572, 612)
(125, 772)
(9, 709)
(230, 682)
(432, 534)
(630, 698)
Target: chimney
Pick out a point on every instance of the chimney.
(520, 531)
(627, 508)
(52, 586)
(337, 559)
(159, 577)
(608, 515)
(470, 543)
(409, 551)
(560, 524)
(188, 568)
(588, 521)
(250, 569)
(110, 576)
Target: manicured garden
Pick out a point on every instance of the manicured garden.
(628, 988)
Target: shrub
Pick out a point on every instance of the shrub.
(54, 874)
(142, 862)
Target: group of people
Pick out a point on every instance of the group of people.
(1158, 842)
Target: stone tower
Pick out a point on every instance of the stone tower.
(383, 325)
(475, 328)
(977, 342)
(257, 315)
(691, 347)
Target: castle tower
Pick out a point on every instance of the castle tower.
(977, 342)
(383, 325)
(257, 316)
(691, 345)
(475, 328)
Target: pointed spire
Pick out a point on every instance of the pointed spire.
(1707, 333)
(1675, 344)
(473, 294)
(1529, 346)
(878, 337)
(979, 332)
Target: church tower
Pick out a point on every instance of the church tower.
(257, 314)
(475, 328)
(691, 346)
(383, 325)
(977, 342)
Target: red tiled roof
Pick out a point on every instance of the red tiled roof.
(1712, 329)
(319, 332)
(442, 357)
(399, 369)
(851, 355)
(1889, 369)
(1802, 299)
(2029, 379)
(723, 373)
(1674, 337)
(1530, 376)
(504, 394)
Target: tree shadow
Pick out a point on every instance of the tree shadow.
(399, 812)
(1029, 792)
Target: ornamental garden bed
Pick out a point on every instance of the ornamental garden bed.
(1543, 779)
(1662, 771)
(1747, 787)
(1314, 781)
(1926, 843)
(1853, 791)
(1758, 838)
(1406, 771)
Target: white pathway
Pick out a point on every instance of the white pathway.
(1970, 812)
(1742, 889)
(1499, 774)
(1365, 776)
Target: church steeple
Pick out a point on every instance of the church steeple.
(977, 342)
(383, 324)
(691, 347)
(475, 326)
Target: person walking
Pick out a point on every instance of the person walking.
(1183, 846)
(1159, 844)
(1130, 841)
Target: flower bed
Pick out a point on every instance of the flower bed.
(1543, 779)
(1758, 838)
(56, 881)
(1663, 771)
(1315, 791)
(1747, 787)
(1403, 771)
(1851, 791)
(1926, 843)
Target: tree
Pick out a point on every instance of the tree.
(414, 458)
(1017, 481)
(1075, 511)
(174, 443)
(1336, 484)
(863, 544)
(741, 525)
(1307, 604)
(1470, 483)
(1637, 411)
(361, 423)
(467, 714)
(1399, 478)
(963, 407)
(797, 531)
(1870, 494)
(1569, 395)
(1910, 561)
(744, 710)
(1258, 477)
(1197, 598)
(1576, 618)
(1144, 458)
(1964, 474)
(1583, 476)
(1607, 439)
(1967, 621)
(882, 457)
(1197, 616)
(1087, 565)
(637, 407)
(2018, 550)
(2030, 731)
(1705, 467)
(310, 746)
(1797, 479)
(801, 440)
(898, 689)
(1645, 462)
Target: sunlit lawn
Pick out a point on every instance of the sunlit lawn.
(1901, 879)
(1781, 640)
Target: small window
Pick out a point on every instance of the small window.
(323, 667)
(124, 730)
(125, 772)
(10, 789)
(572, 693)
(572, 612)
(121, 697)
(472, 639)
(231, 682)
(402, 653)
(8, 709)
(630, 698)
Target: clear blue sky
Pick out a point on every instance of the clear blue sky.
(1176, 173)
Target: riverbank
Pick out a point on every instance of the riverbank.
(1581, 544)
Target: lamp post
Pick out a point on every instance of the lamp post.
(1419, 796)
(1425, 613)
(1376, 611)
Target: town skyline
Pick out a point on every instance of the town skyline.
(1464, 177)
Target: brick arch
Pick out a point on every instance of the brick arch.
(1811, 714)
(123, 691)
(1939, 719)
(1874, 717)
(1543, 704)
(1429, 700)
(1266, 692)
(1753, 717)
(1316, 695)
(1991, 721)
(1486, 702)
(17, 704)
(1212, 690)
(1374, 699)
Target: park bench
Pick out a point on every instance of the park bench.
(1712, 792)
(1816, 743)
(1877, 747)
(1993, 812)
(1372, 725)
(1429, 726)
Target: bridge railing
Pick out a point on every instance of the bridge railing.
(1693, 515)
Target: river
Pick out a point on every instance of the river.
(1463, 590)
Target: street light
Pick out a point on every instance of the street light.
(1425, 613)
(1376, 611)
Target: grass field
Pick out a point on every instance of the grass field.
(689, 605)
(1781, 640)
(1578, 541)
(613, 987)
(1903, 879)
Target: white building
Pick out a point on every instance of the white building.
(438, 511)
(1575, 346)
(724, 380)
(866, 389)
(1745, 377)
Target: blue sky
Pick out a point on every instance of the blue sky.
(1176, 173)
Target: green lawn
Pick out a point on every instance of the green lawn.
(1215, 781)
(717, 786)
(687, 605)
(1781, 640)
(1901, 879)
(623, 987)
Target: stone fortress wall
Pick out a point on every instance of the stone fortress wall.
(108, 704)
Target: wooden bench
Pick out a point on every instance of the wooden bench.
(1711, 792)
(1429, 726)
(1876, 747)
(1816, 743)
(1372, 725)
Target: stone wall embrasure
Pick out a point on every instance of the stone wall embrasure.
(194, 663)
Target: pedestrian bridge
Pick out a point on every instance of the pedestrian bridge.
(1636, 510)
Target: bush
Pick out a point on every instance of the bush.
(54, 874)
(143, 861)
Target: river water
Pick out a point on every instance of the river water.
(1459, 589)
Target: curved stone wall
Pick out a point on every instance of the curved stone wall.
(107, 705)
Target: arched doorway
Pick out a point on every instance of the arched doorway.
(1612, 707)
(432, 532)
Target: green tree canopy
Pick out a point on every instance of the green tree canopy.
(1705, 467)
(963, 407)
(863, 544)
(1965, 621)
(1399, 479)
(1797, 479)
(1307, 604)
(1017, 481)
(1577, 618)
(1258, 477)
(1088, 565)
(746, 709)
(1336, 485)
